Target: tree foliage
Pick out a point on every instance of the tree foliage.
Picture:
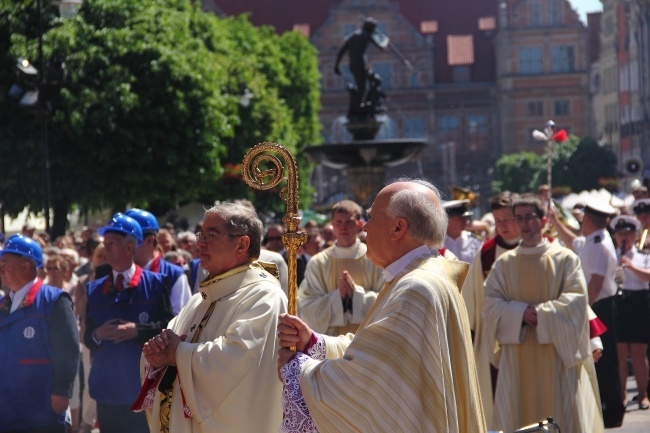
(577, 165)
(589, 164)
(518, 172)
(150, 113)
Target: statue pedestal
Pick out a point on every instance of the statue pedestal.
(364, 130)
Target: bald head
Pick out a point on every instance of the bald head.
(418, 202)
(406, 214)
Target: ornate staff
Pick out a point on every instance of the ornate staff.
(264, 179)
(550, 136)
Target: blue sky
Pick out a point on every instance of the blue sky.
(585, 6)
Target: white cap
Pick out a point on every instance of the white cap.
(599, 207)
(457, 208)
(625, 222)
(641, 206)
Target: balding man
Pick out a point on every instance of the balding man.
(410, 367)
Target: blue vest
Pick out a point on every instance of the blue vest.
(115, 372)
(170, 273)
(194, 274)
(26, 365)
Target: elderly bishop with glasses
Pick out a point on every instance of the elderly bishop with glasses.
(213, 369)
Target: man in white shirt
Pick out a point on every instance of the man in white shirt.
(598, 260)
(459, 241)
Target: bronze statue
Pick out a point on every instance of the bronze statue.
(366, 95)
(356, 45)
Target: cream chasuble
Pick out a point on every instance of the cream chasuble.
(473, 294)
(228, 378)
(410, 367)
(319, 299)
(546, 370)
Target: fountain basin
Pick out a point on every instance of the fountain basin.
(366, 153)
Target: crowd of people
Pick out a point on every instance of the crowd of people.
(480, 325)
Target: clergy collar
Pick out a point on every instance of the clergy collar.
(351, 252)
(392, 270)
(537, 249)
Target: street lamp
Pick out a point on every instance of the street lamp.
(550, 135)
(232, 167)
(245, 98)
(69, 8)
(31, 91)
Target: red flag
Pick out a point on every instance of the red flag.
(560, 136)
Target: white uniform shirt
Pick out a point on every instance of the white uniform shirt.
(465, 246)
(598, 257)
(629, 279)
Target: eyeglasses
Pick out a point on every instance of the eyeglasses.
(527, 218)
(212, 235)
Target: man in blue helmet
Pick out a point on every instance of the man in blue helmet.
(39, 349)
(147, 256)
(125, 309)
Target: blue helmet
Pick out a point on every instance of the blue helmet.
(24, 246)
(147, 221)
(124, 224)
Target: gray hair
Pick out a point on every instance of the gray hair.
(426, 219)
(241, 220)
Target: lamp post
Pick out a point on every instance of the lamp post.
(67, 9)
(549, 137)
(232, 166)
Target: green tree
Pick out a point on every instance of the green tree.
(590, 163)
(150, 110)
(577, 165)
(519, 172)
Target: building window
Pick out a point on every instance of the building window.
(448, 128)
(347, 75)
(427, 27)
(487, 23)
(385, 72)
(536, 17)
(415, 81)
(554, 13)
(562, 107)
(348, 29)
(461, 74)
(530, 60)
(303, 29)
(478, 131)
(460, 50)
(415, 127)
(535, 108)
(563, 58)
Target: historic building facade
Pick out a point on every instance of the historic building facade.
(487, 74)
(542, 71)
(450, 101)
(621, 85)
